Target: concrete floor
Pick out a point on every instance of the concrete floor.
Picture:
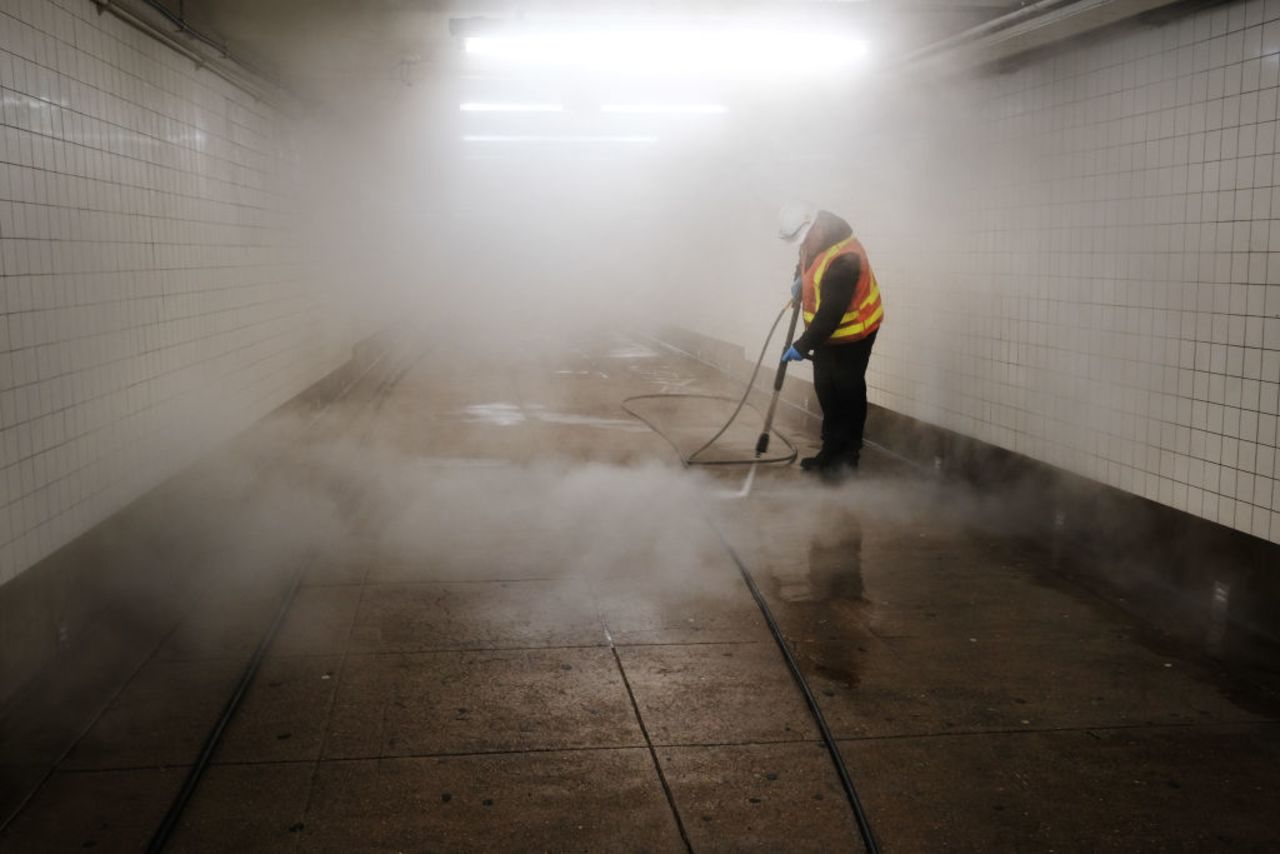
(529, 636)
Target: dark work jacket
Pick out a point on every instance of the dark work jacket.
(839, 283)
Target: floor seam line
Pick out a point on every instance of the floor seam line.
(339, 678)
(1191, 725)
(644, 731)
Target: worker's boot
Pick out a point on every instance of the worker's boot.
(838, 469)
(813, 463)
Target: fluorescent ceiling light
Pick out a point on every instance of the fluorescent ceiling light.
(479, 107)
(527, 138)
(664, 108)
(668, 51)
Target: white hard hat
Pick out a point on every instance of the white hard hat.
(794, 221)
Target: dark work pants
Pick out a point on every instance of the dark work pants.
(840, 380)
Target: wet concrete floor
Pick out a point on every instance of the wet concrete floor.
(526, 633)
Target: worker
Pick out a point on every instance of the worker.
(842, 313)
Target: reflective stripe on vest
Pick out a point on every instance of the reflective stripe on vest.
(865, 311)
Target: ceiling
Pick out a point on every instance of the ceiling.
(316, 46)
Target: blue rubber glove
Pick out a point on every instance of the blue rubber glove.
(792, 355)
(795, 288)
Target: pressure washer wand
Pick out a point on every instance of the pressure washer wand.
(762, 444)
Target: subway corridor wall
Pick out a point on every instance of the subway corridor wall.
(154, 298)
(1084, 268)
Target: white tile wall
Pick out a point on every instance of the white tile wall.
(1110, 302)
(153, 302)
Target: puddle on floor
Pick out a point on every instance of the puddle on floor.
(499, 414)
(464, 462)
(566, 372)
(510, 415)
(632, 351)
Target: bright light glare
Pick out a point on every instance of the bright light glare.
(527, 138)
(713, 52)
(477, 107)
(664, 108)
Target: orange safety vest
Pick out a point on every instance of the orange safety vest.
(865, 311)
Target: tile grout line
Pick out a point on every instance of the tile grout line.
(425, 582)
(653, 753)
(1115, 727)
(453, 650)
(711, 745)
(339, 677)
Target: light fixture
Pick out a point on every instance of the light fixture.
(571, 139)
(735, 52)
(665, 108)
(482, 107)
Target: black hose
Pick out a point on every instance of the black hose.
(169, 823)
(171, 818)
(691, 459)
(780, 375)
(828, 738)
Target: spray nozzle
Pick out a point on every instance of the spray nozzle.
(762, 444)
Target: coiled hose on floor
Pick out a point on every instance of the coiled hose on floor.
(692, 459)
